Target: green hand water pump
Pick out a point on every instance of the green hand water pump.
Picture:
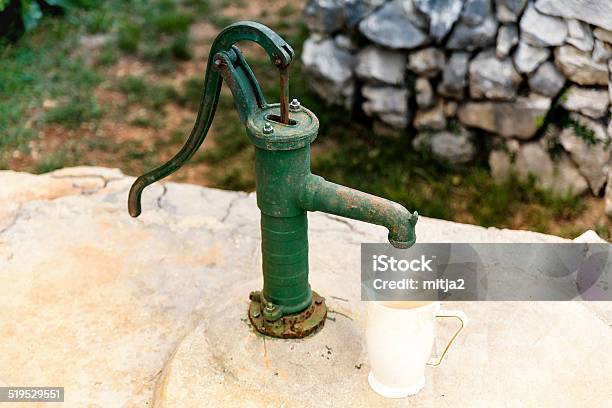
(286, 189)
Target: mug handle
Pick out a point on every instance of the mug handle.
(434, 362)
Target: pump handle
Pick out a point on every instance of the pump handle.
(280, 54)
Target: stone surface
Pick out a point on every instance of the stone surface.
(520, 119)
(492, 78)
(608, 196)
(580, 35)
(603, 35)
(501, 159)
(469, 38)
(528, 57)
(579, 67)
(356, 10)
(546, 80)
(450, 108)
(475, 11)
(456, 148)
(590, 237)
(151, 311)
(93, 300)
(588, 101)
(508, 11)
(507, 38)
(427, 61)
(414, 15)
(512, 145)
(595, 12)
(591, 156)
(388, 103)
(346, 42)
(324, 16)
(424, 93)
(210, 364)
(332, 67)
(391, 27)
(421, 141)
(432, 118)
(381, 65)
(454, 76)
(602, 51)
(542, 30)
(442, 14)
(561, 176)
(453, 147)
(501, 165)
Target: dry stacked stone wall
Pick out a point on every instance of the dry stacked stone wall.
(526, 83)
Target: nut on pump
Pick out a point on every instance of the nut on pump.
(286, 189)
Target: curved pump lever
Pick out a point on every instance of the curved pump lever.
(281, 55)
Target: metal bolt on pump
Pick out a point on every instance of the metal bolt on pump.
(286, 189)
(267, 129)
(295, 105)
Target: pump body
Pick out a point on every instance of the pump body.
(286, 189)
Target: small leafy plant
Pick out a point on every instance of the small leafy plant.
(31, 11)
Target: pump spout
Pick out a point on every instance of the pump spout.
(322, 195)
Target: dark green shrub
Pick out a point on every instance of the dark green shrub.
(30, 12)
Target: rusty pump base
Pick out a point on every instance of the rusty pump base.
(292, 326)
(286, 189)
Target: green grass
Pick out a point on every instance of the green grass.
(164, 55)
(55, 161)
(37, 68)
(603, 231)
(98, 23)
(107, 57)
(232, 156)
(42, 65)
(199, 7)
(65, 155)
(490, 203)
(179, 47)
(133, 86)
(135, 156)
(286, 11)
(221, 21)
(192, 92)
(77, 110)
(172, 22)
(152, 120)
(152, 96)
(160, 29)
(128, 37)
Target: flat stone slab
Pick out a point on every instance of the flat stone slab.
(152, 311)
(549, 354)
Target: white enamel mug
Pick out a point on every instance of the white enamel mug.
(400, 338)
